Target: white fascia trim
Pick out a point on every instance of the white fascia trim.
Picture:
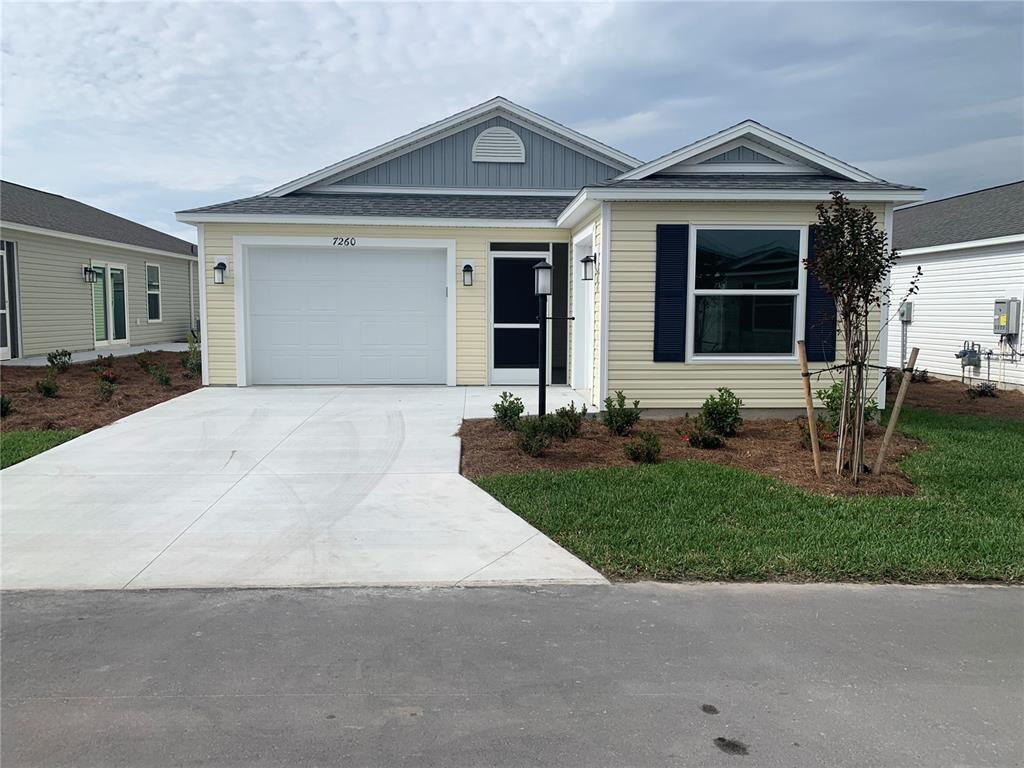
(204, 326)
(883, 332)
(759, 132)
(626, 195)
(457, 121)
(606, 249)
(240, 244)
(93, 240)
(585, 201)
(342, 189)
(354, 221)
(967, 244)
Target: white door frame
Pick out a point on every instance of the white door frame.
(109, 342)
(583, 311)
(343, 241)
(513, 376)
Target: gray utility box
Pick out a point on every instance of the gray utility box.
(1006, 317)
(907, 312)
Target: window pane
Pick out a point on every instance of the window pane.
(747, 258)
(743, 325)
(154, 306)
(515, 347)
(153, 278)
(514, 299)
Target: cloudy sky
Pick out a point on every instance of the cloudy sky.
(147, 108)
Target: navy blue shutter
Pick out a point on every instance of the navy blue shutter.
(671, 256)
(820, 314)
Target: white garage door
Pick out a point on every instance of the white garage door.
(346, 316)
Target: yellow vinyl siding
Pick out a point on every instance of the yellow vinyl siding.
(631, 365)
(471, 243)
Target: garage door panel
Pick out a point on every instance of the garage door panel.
(324, 317)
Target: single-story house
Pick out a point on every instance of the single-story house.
(413, 262)
(970, 249)
(78, 278)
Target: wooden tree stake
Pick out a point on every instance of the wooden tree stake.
(812, 423)
(891, 426)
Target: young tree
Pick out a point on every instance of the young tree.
(852, 260)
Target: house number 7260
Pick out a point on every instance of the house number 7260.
(347, 241)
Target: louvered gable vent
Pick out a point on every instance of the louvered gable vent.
(499, 145)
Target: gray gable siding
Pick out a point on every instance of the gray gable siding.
(741, 155)
(447, 162)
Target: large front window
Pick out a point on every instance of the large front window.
(745, 291)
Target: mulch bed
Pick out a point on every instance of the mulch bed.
(950, 397)
(770, 446)
(77, 404)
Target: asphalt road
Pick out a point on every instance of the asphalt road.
(629, 675)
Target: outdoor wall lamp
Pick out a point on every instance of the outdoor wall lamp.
(467, 275)
(218, 272)
(88, 275)
(588, 263)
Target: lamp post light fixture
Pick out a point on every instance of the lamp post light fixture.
(588, 263)
(88, 275)
(467, 275)
(218, 272)
(542, 288)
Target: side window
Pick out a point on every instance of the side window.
(153, 292)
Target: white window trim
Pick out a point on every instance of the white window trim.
(240, 257)
(108, 342)
(159, 293)
(692, 292)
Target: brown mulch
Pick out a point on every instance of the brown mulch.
(950, 397)
(77, 404)
(770, 447)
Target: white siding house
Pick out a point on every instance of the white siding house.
(971, 251)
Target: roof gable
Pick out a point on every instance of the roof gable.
(715, 153)
(512, 115)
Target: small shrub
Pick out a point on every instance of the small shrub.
(721, 413)
(832, 399)
(146, 360)
(59, 359)
(508, 410)
(566, 422)
(107, 374)
(192, 358)
(619, 417)
(104, 361)
(532, 436)
(106, 389)
(919, 376)
(700, 436)
(645, 449)
(47, 387)
(160, 374)
(823, 432)
(893, 377)
(6, 409)
(982, 389)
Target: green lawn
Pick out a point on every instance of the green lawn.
(20, 445)
(694, 520)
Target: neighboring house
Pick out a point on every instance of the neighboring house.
(78, 278)
(355, 273)
(971, 251)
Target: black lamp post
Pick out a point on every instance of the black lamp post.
(542, 287)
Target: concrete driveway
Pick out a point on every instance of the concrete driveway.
(297, 486)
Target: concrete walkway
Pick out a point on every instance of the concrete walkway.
(90, 355)
(297, 486)
(796, 676)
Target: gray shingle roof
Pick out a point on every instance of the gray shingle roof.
(398, 205)
(35, 208)
(759, 181)
(993, 212)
